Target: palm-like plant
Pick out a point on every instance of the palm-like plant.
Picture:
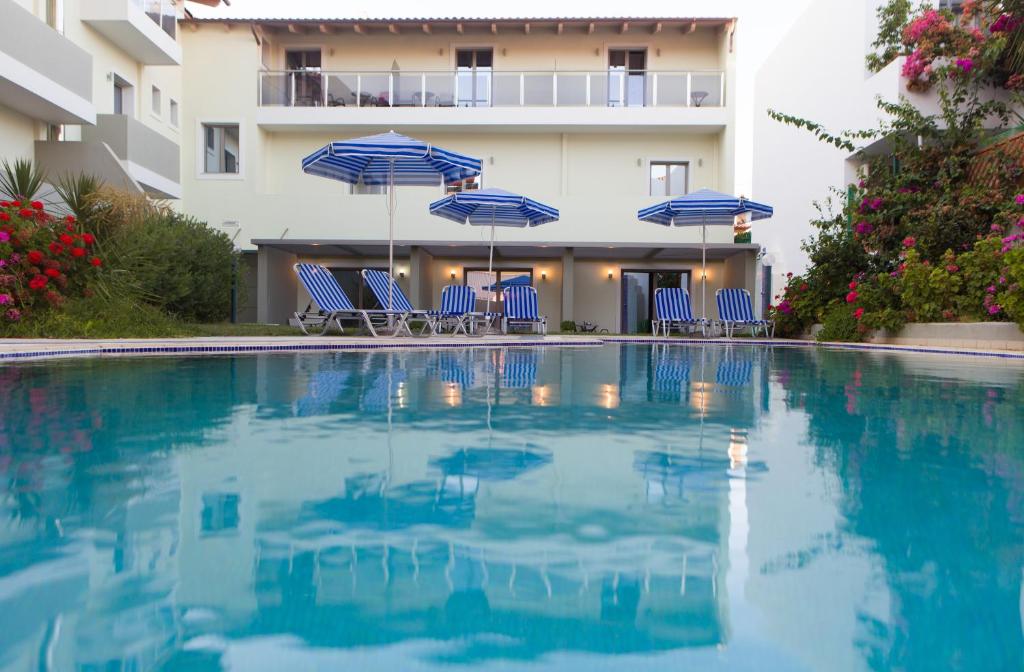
(22, 179)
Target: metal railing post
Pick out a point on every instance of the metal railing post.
(323, 87)
(522, 89)
(554, 89)
(721, 89)
(391, 89)
(588, 89)
(423, 89)
(689, 88)
(654, 89)
(291, 76)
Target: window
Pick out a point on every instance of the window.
(627, 77)
(305, 83)
(157, 103)
(670, 178)
(55, 15)
(174, 112)
(221, 149)
(124, 96)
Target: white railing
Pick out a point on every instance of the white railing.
(558, 88)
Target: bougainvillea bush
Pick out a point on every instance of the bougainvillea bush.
(933, 231)
(44, 261)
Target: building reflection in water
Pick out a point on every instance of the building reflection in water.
(506, 504)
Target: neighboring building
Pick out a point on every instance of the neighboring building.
(93, 86)
(597, 117)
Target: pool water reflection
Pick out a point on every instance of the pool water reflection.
(623, 507)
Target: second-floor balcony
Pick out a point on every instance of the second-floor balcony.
(304, 98)
(144, 29)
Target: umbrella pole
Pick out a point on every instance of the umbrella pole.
(391, 233)
(490, 266)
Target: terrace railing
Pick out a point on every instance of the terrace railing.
(556, 88)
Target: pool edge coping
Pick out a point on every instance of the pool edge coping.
(64, 349)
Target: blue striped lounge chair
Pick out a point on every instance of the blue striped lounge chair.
(736, 312)
(333, 305)
(521, 309)
(458, 310)
(519, 368)
(672, 309)
(401, 309)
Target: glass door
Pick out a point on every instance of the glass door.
(638, 296)
(488, 286)
(627, 77)
(473, 68)
(304, 67)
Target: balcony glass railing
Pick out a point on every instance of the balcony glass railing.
(161, 12)
(486, 88)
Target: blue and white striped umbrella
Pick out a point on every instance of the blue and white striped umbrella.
(493, 207)
(701, 208)
(390, 159)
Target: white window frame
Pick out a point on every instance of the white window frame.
(200, 146)
(128, 89)
(156, 101)
(650, 163)
(174, 113)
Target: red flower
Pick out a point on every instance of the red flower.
(15, 204)
(5, 217)
(56, 248)
(37, 205)
(38, 282)
(66, 239)
(70, 219)
(5, 204)
(859, 313)
(95, 261)
(804, 287)
(853, 284)
(77, 251)
(26, 213)
(52, 272)
(851, 297)
(88, 238)
(35, 257)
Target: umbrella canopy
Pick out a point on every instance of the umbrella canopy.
(701, 208)
(493, 207)
(390, 159)
(370, 160)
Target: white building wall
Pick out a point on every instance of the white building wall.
(598, 179)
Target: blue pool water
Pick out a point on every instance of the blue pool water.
(612, 508)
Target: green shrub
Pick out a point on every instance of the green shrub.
(567, 327)
(840, 325)
(166, 259)
(99, 317)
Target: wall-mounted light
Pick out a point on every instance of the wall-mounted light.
(611, 274)
(504, 51)
(401, 274)
(453, 275)
(543, 275)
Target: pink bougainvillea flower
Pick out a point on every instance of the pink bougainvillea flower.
(994, 309)
(952, 268)
(13, 314)
(1019, 199)
(6, 299)
(965, 65)
(909, 241)
(4, 236)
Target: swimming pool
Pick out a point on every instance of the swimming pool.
(627, 507)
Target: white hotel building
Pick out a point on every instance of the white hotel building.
(596, 117)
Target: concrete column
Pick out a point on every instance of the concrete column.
(421, 286)
(276, 286)
(568, 280)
